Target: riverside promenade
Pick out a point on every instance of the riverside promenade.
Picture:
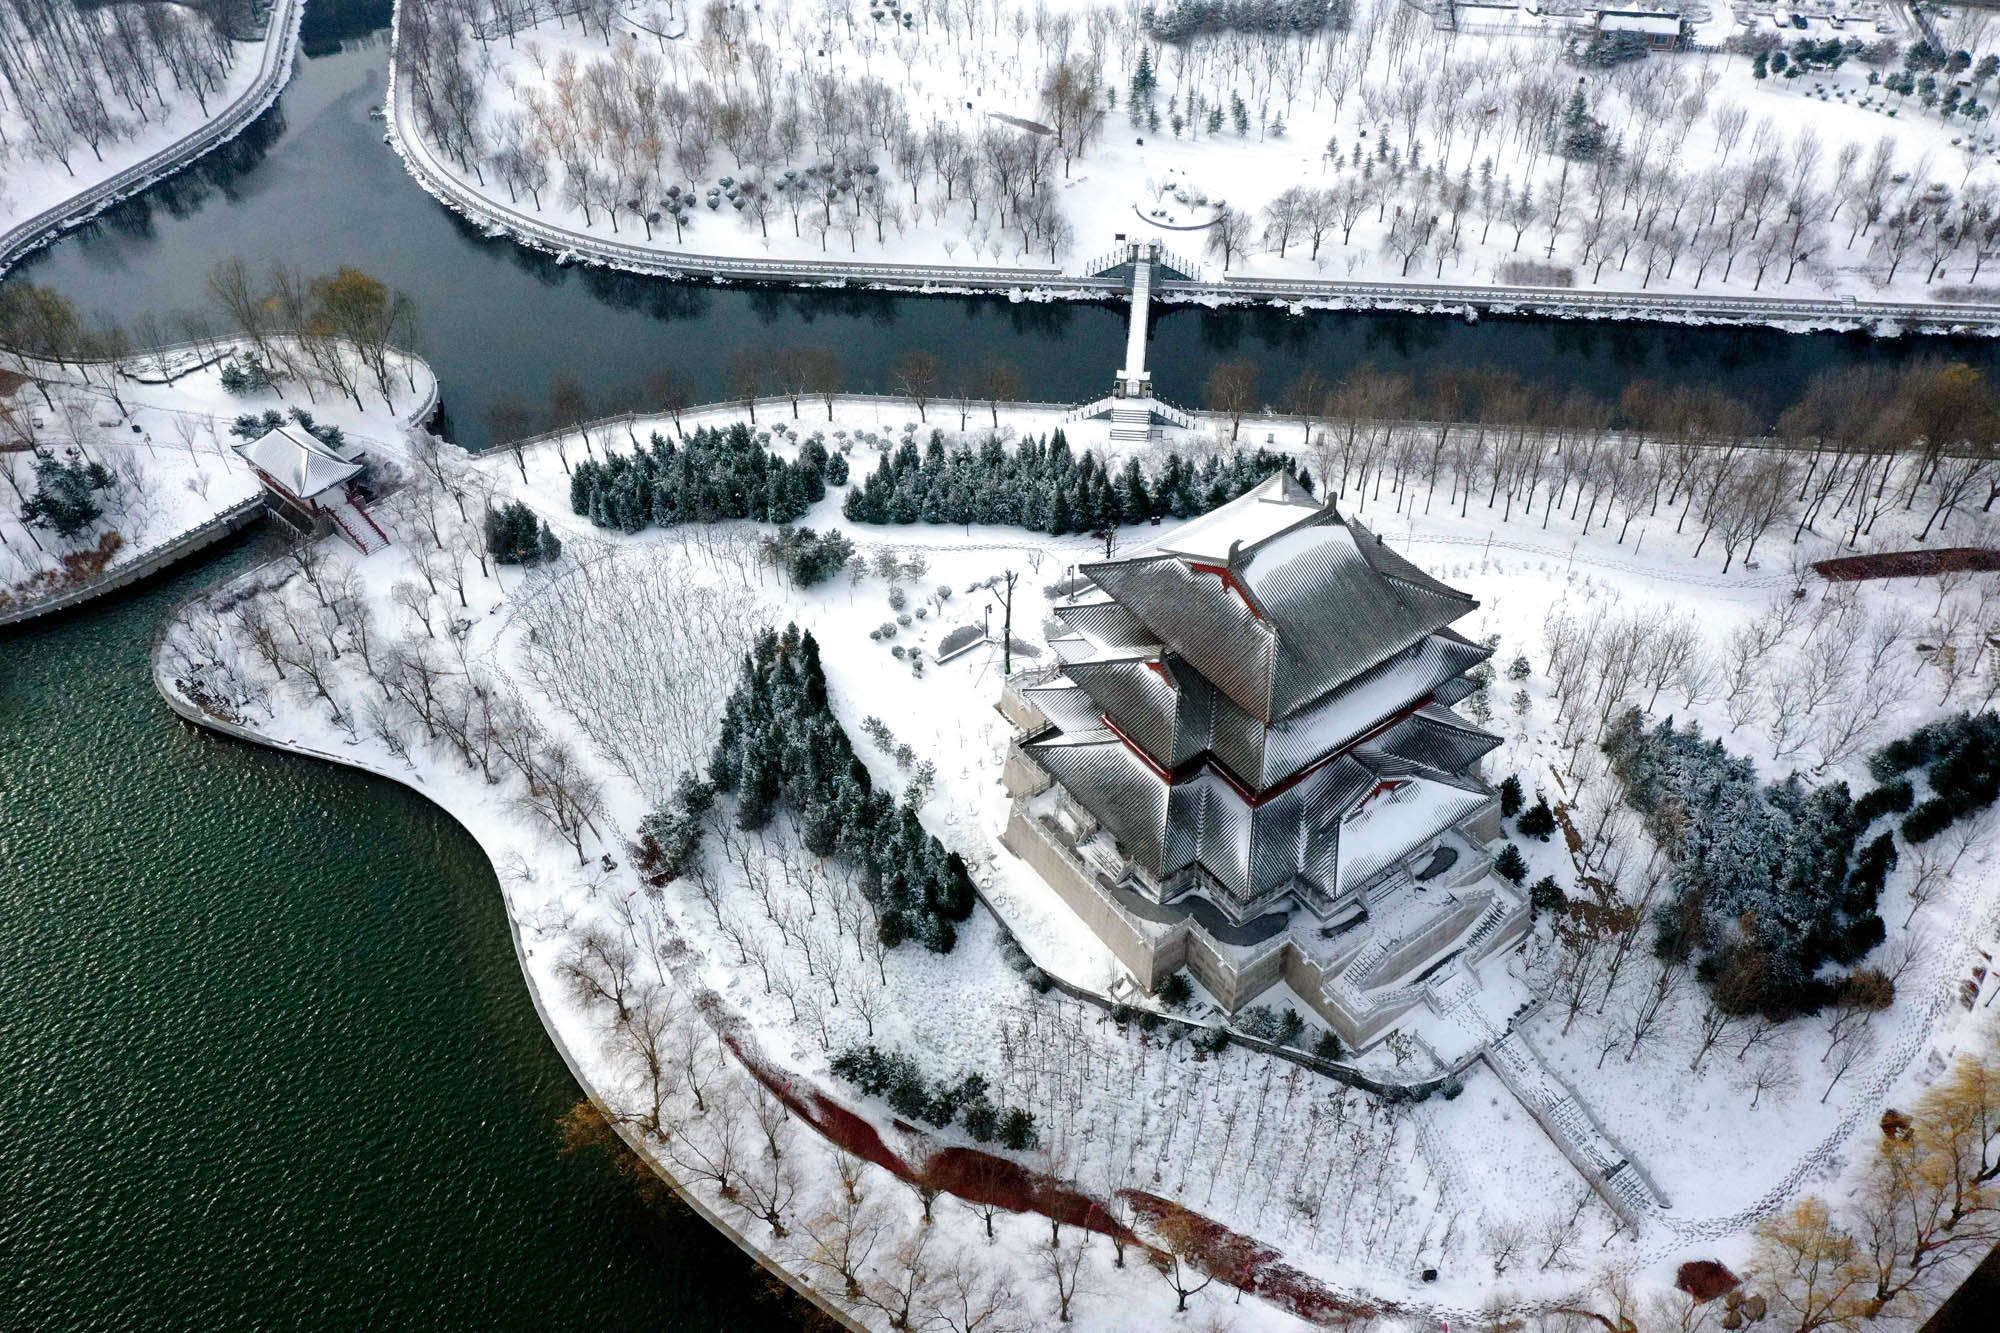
(498, 218)
(274, 67)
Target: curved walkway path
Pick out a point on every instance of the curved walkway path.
(281, 42)
(442, 183)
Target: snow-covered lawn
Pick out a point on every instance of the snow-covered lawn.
(1391, 150)
(35, 176)
(167, 446)
(1359, 1195)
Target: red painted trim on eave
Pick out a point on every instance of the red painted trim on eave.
(1229, 581)
(1207, 759)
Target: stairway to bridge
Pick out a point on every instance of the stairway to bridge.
(1133, 411)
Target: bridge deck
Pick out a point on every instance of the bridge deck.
(1135, 336)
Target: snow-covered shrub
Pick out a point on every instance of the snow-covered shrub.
(1532, 273)
(1773, 855)
(246, 374)
(808, 557)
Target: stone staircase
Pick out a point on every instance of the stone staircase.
(1371, 954)
(361, 531)
(1606, 1166)
(1489, 921)
(1131, 419)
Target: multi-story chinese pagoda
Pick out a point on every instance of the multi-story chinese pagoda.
(1249, 764)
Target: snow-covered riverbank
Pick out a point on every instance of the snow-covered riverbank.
(660, 608)
(958, 85)
(162, 433)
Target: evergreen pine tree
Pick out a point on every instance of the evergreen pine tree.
(1538, 821)
(1135, 500)
(1059, 520)
(1143, 83)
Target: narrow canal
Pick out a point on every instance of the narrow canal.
(314, 186)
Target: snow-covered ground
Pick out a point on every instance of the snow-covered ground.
(1425, 155)
(35, 177)
(167, 446)
(1358, 1195)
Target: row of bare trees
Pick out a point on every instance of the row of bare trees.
(869, 1233)
(634, 135)
(1859, 443)
(92, 76)
(342, 332)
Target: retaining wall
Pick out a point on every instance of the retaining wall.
(437, 180)
(632, 1136)
(225, 524)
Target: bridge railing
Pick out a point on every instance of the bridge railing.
(1632, 304)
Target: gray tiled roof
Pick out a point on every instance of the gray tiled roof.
(1434, 738)
(299, 461)
(1107, 622)
(1311, 608)
(1270, 755)
(1175, 716)
(1252, 851)
(1114, 784)
(1335, 614)
(1316, 635)
(1142, 700)
(1066, 706)
(1374, 837)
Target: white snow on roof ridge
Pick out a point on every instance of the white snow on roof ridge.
(1267, 510)
(302, 463)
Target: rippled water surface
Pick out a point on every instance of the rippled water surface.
(265, 1053)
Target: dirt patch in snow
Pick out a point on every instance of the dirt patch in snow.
(1250, 1265)
(1907, 564)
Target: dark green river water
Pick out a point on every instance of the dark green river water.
(265, 1054)
(313, 185)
